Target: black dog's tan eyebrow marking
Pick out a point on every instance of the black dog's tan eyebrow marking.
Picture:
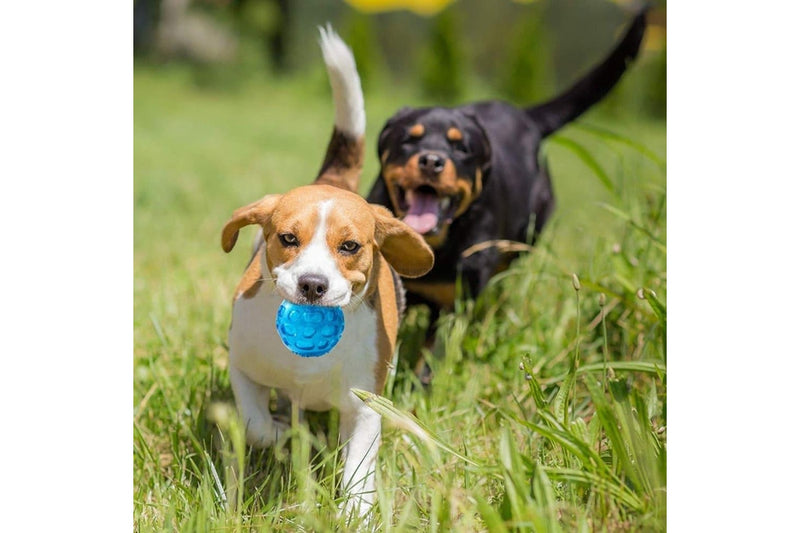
(454, 134)
(417, 130)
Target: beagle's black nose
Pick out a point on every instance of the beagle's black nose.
(432, 164)
(312, 286)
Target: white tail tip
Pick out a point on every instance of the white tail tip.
(346, 85)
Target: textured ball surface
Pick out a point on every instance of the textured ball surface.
(309, 330)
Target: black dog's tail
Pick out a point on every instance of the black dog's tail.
(569, 105)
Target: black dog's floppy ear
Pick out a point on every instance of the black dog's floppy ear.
(403, 248)
(255, 213)
(484, 145)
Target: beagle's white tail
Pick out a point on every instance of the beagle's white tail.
(345, 83)
(344, 158)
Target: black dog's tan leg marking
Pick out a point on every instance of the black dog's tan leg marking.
(441, 293)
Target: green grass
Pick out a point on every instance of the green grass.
(548, 410)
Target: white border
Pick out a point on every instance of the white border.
(732, 144)
(67, 219)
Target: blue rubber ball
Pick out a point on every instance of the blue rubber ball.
(309, 330)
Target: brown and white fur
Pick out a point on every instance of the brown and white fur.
(324, 244)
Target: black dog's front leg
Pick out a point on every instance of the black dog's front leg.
(419, 365)
(476, 270)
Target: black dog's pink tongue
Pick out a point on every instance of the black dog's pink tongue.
(423, 211)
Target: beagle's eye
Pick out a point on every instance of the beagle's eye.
(288, 239)
(349, 247)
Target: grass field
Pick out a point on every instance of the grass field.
(548, 410)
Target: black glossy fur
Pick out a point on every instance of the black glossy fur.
(487, 178)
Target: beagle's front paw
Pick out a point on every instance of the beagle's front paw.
(266, 433)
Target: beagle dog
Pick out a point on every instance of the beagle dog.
(323, 244)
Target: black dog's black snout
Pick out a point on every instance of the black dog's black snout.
(312, 286)
(431, 163)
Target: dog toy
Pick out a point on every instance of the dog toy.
(309, 330)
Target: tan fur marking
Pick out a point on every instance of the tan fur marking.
(448, 183)
(406, 176)
(409, 177)
(417, 130)
(454, 134)
(251, 279)
(401, 246)
(257, 212)
(388, 323)
(437, 240)
(352, 222)
(465, 190)
(293, 215)
(442, 293)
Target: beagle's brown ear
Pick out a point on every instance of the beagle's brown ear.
(403, 248)
(255, 213)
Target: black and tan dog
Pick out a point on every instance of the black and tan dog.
(471, 174)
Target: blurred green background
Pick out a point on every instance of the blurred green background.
(446, 51)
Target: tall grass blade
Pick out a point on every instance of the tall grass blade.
(572, 443)
(407, 422)
(588, 159)
(656, 368)
(613, 429)
(632, 440)
(629, 219)
(599, 483)
(561, 401)
(543, 490)
(533, 384)
(610, 135)
(658, 308)
(491, 517)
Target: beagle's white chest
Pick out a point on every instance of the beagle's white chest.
(316, 383)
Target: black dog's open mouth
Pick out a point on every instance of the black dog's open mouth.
(426, 210)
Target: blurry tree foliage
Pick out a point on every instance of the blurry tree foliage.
(421, 7)
(268, 21)
(527, 75)
(442, 73)
(359, 33)
(523, 51)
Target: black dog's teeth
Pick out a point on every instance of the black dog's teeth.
(448, 206)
